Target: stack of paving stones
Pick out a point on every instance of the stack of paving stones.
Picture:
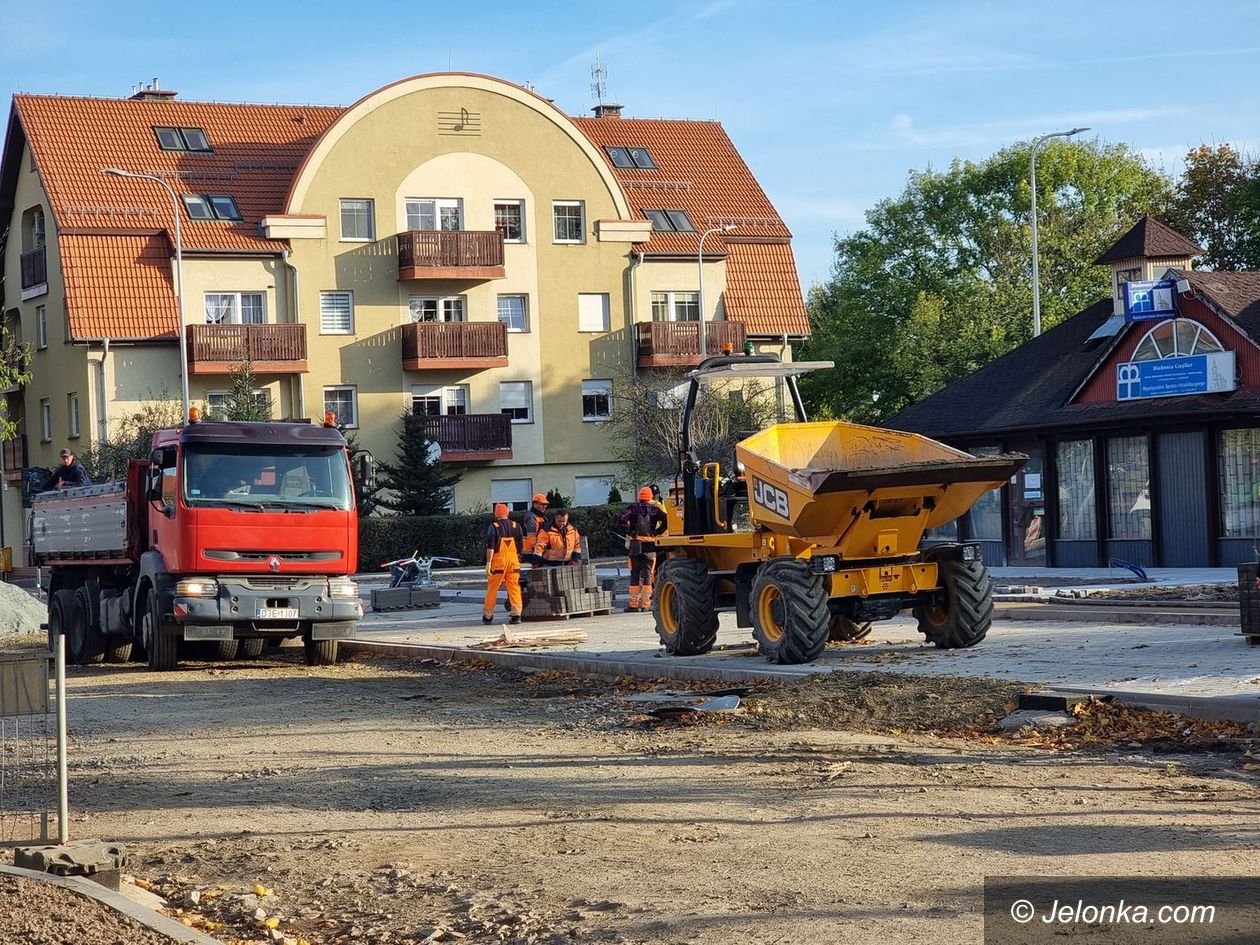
(563, 591)
(1249, 602)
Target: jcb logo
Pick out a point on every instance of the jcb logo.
(769, 497)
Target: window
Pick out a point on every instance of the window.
(670, 221)
(1128, 488)
(1126, 275)
(509, 219)
(1176, 338)
(448, 308)
(358, 220)
(439, 401)
(1239, 462)
(596, 400)
(591, 490)
(235, 308)
(675, 306)
(620, 157)
(514, 493)
(1074, 469)
(985, 516)
(198, 207)
(181, 139)
(72, 411)
(568, 221)
(516, 399)
(336, 313)
(41, 327)
(513, 313)
(211, 207)
(342, 403)
(434, 213)
(217, 402)
(593, 311)
(642, 159)
(45, 420)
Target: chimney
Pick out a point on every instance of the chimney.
(151, 93)
(607, 111)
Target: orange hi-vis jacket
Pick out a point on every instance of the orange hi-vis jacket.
(557, 544)
(535, 524)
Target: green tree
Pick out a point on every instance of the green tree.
(243, 401)
(558, 500)
(416, 482)
(366, 479)
(1218, 203)
(614, 495)
(939, 280)
(131, 436)
(15, 360)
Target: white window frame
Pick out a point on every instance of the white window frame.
(72, 411)
(524, 329)
(450, 397)
(589, 298)
(371, 219)
(443, 305)
(581, 205)
(606, 483)
(45, 420)
(529, 401)
(262, 395)
(354, 402)
(594, 387)
(439, 204)
(329, 293)
(520, 205)
(41, 327)
(671, 304)
(237, 315)
(513, 487)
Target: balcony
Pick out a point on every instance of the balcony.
(271, 349)
(34, 265)
(677, 344)
(472, 437)
(14, 456)
(450, 254)
(467, 346)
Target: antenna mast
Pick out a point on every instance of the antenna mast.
(599, 80)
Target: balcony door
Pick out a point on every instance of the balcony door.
(435, 213)
(235, 308)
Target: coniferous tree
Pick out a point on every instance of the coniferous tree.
(416, 482)
(243, 402)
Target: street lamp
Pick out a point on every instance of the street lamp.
(704, 351)
(179, 277)
(1036, 143)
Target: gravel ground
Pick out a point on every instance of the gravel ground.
(1207, 592)
(33, 913)
(20, 612)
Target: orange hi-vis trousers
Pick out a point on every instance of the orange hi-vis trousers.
(642, 574)
(505, 565)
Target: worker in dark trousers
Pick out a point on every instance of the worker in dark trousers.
(642, 523)
(504, 540)
(535, 522)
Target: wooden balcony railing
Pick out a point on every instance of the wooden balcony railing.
(428, 346)
(271, 349)
(14, 456)
(677, 344)
(34, 267)
(450, 254)
(472, 437)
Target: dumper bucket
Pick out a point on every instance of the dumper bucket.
(865, 491)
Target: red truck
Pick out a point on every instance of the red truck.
(238, 533)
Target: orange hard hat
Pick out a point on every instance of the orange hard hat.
(500, 510)
(540, 498)
(645, 494)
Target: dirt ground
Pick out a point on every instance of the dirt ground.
(1203, 592)
(35, 913)
(379, 802)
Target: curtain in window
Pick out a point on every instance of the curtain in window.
(220, 308)
(1128, 488)
(1074, 468)
(1239, 461)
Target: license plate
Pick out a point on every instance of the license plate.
(277, 613)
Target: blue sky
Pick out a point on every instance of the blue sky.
(831, 104)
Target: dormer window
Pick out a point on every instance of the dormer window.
(181, 139)
(631, 157)
(211, 207)
(669, 221)
(1127, 275)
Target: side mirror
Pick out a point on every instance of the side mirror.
(153, 488)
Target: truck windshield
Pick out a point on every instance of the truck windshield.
(230, 475)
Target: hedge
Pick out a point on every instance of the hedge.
(386, 537)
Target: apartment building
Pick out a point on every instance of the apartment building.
(451, 243)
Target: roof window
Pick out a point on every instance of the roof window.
(211, 207)
(631, 157)
(181, 139)
(669, 221)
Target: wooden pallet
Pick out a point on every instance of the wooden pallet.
(398, 607)
(1251, 639)
(601, 612)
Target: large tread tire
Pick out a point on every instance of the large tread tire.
(791, 621)
(684, 604)
(320, 652)
(967, 611)
(162, 648)
(843, 630)
(224, 650)
(118, 649)
(250, 649)
(87, 643)
(59, 606)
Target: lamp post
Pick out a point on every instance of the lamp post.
(179, 277)
(1036, 143)
(704, 350)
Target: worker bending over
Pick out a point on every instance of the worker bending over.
(642, 522)
(535, 522)
(559, 542)
(504, 541)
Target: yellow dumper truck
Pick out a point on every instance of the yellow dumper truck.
(817, 531)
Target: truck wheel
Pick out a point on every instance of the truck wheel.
(224, 650)
(162, 648)
(844, 630)
(320, 652)
(250, 649)
(789, 610)
(59, 606)
(685, 607)
(961, 612)
(86, 642)
(118, 649)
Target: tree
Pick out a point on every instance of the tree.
(939, 281)
(558, 500)
(417, 482)
(614, 496)
(1218, 203)
(15, 360)
(243, 402)
(131, 436)
(366, 487)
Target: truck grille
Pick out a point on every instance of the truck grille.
(259, 583)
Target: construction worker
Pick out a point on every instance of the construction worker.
(642, 522)
(559, 542)
(535, 522)
(504, 540)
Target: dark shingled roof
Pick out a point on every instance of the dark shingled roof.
(1151, 239)
(1237, 294)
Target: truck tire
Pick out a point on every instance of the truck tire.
(844, 630)
(85, 642)
(320, 652)
(162, 648)
(59, 606)
(117, 649)
(224, 650)
(250, 649)
(791, 621)
(684, 606)
(961, 612)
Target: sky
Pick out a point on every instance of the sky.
(831, 104)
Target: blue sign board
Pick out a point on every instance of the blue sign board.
(1148, 301)
(1176, 377)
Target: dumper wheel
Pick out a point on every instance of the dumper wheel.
(789, 610)
(320, 652)
(250, 649)
(844, 630)
(59, 606)
(162, 649)
(85, 642)
(685, 607)
(961, 612)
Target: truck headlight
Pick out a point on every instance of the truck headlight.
(343, 588)
(197, 587)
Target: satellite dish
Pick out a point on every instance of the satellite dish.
(433, 453)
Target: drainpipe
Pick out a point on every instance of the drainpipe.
(636, 260)
(103, 391)
(300, 406)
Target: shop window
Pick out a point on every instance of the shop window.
(1176, 338)
(1074, 469)
(1239, 462)
(986, 514)
(1128, 488)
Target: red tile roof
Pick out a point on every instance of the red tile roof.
(119, 286)
(763, 291)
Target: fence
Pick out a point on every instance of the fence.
(32, 749)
